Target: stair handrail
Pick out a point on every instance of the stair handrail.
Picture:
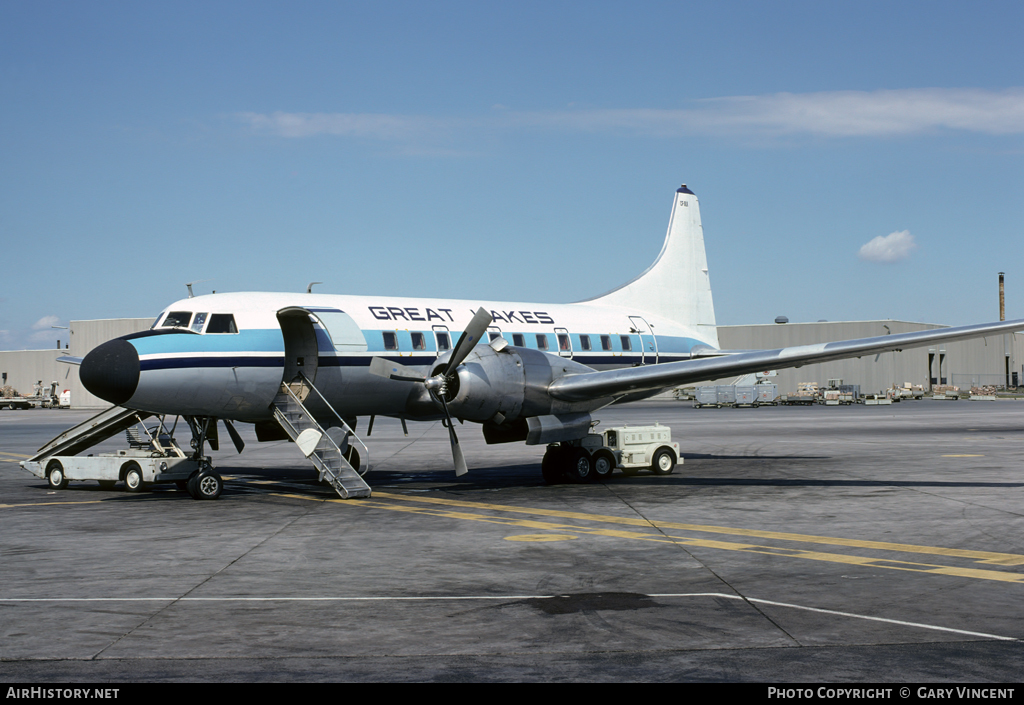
(324, 438)
(365, 459)
(351, 432)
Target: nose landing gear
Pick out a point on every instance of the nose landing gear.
(204, 483)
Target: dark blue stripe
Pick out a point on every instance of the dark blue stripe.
(177, 363)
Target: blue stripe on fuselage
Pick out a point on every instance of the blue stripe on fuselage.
(255, 340)
(271, 341)
(178, 363)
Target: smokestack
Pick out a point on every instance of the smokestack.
(1002, 299)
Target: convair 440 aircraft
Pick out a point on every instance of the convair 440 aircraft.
(305, 366)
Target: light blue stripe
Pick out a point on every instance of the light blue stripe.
(258, 340)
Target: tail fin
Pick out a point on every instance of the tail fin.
(676, 287)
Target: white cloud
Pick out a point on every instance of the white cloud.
(860, 113)
(46, 322)
(907, 111)
(890, 248)
(366, 125)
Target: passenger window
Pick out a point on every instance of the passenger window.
(542, 341)
(491, 335)
(418, 341)
(563, 342)
(443, 341)
(198, 321)
(606, 342)
(222, 323)
(390, 340)
(519, 340)
(626, 344)
(177, 319)
(585, 342)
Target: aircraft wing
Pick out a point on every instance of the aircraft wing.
(592, 385)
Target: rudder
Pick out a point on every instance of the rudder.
(677, 286)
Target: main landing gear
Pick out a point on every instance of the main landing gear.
(204, 483)
(568, 463)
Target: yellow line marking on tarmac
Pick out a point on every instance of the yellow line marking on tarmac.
(14, 455)
(987, 557)
(869, 561)
(47, 504)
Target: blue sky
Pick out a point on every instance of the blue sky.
(523, 151)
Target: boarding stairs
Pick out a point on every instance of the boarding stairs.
(323, 451)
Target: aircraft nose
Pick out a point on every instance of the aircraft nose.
(111, 371)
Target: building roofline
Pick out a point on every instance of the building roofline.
(826, 323)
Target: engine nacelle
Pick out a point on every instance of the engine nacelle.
(511, 384)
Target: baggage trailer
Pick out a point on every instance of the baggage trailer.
(767, 394)
(705, 396)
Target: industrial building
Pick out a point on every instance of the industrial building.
(995, 361)
(22, 369)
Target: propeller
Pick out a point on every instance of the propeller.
(438, 384)
(235, 437)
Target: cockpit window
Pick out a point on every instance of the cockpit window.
(177, 319)
(198, 321)
(157, 320)
(222, 323)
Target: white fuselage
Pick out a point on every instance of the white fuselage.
(187, 368)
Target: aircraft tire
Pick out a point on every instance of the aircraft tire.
(552, 467)
(208, 485)
(352, 456)
(133, 478)
(581, 467)
(604, 464)
(55, 476)
(664, 462)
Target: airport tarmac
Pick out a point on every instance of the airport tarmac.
(795, 544)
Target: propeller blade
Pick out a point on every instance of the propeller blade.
(392, 370)
(457, 457)
(235, 438)
(470, 338)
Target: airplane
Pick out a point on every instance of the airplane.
(306, 366)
